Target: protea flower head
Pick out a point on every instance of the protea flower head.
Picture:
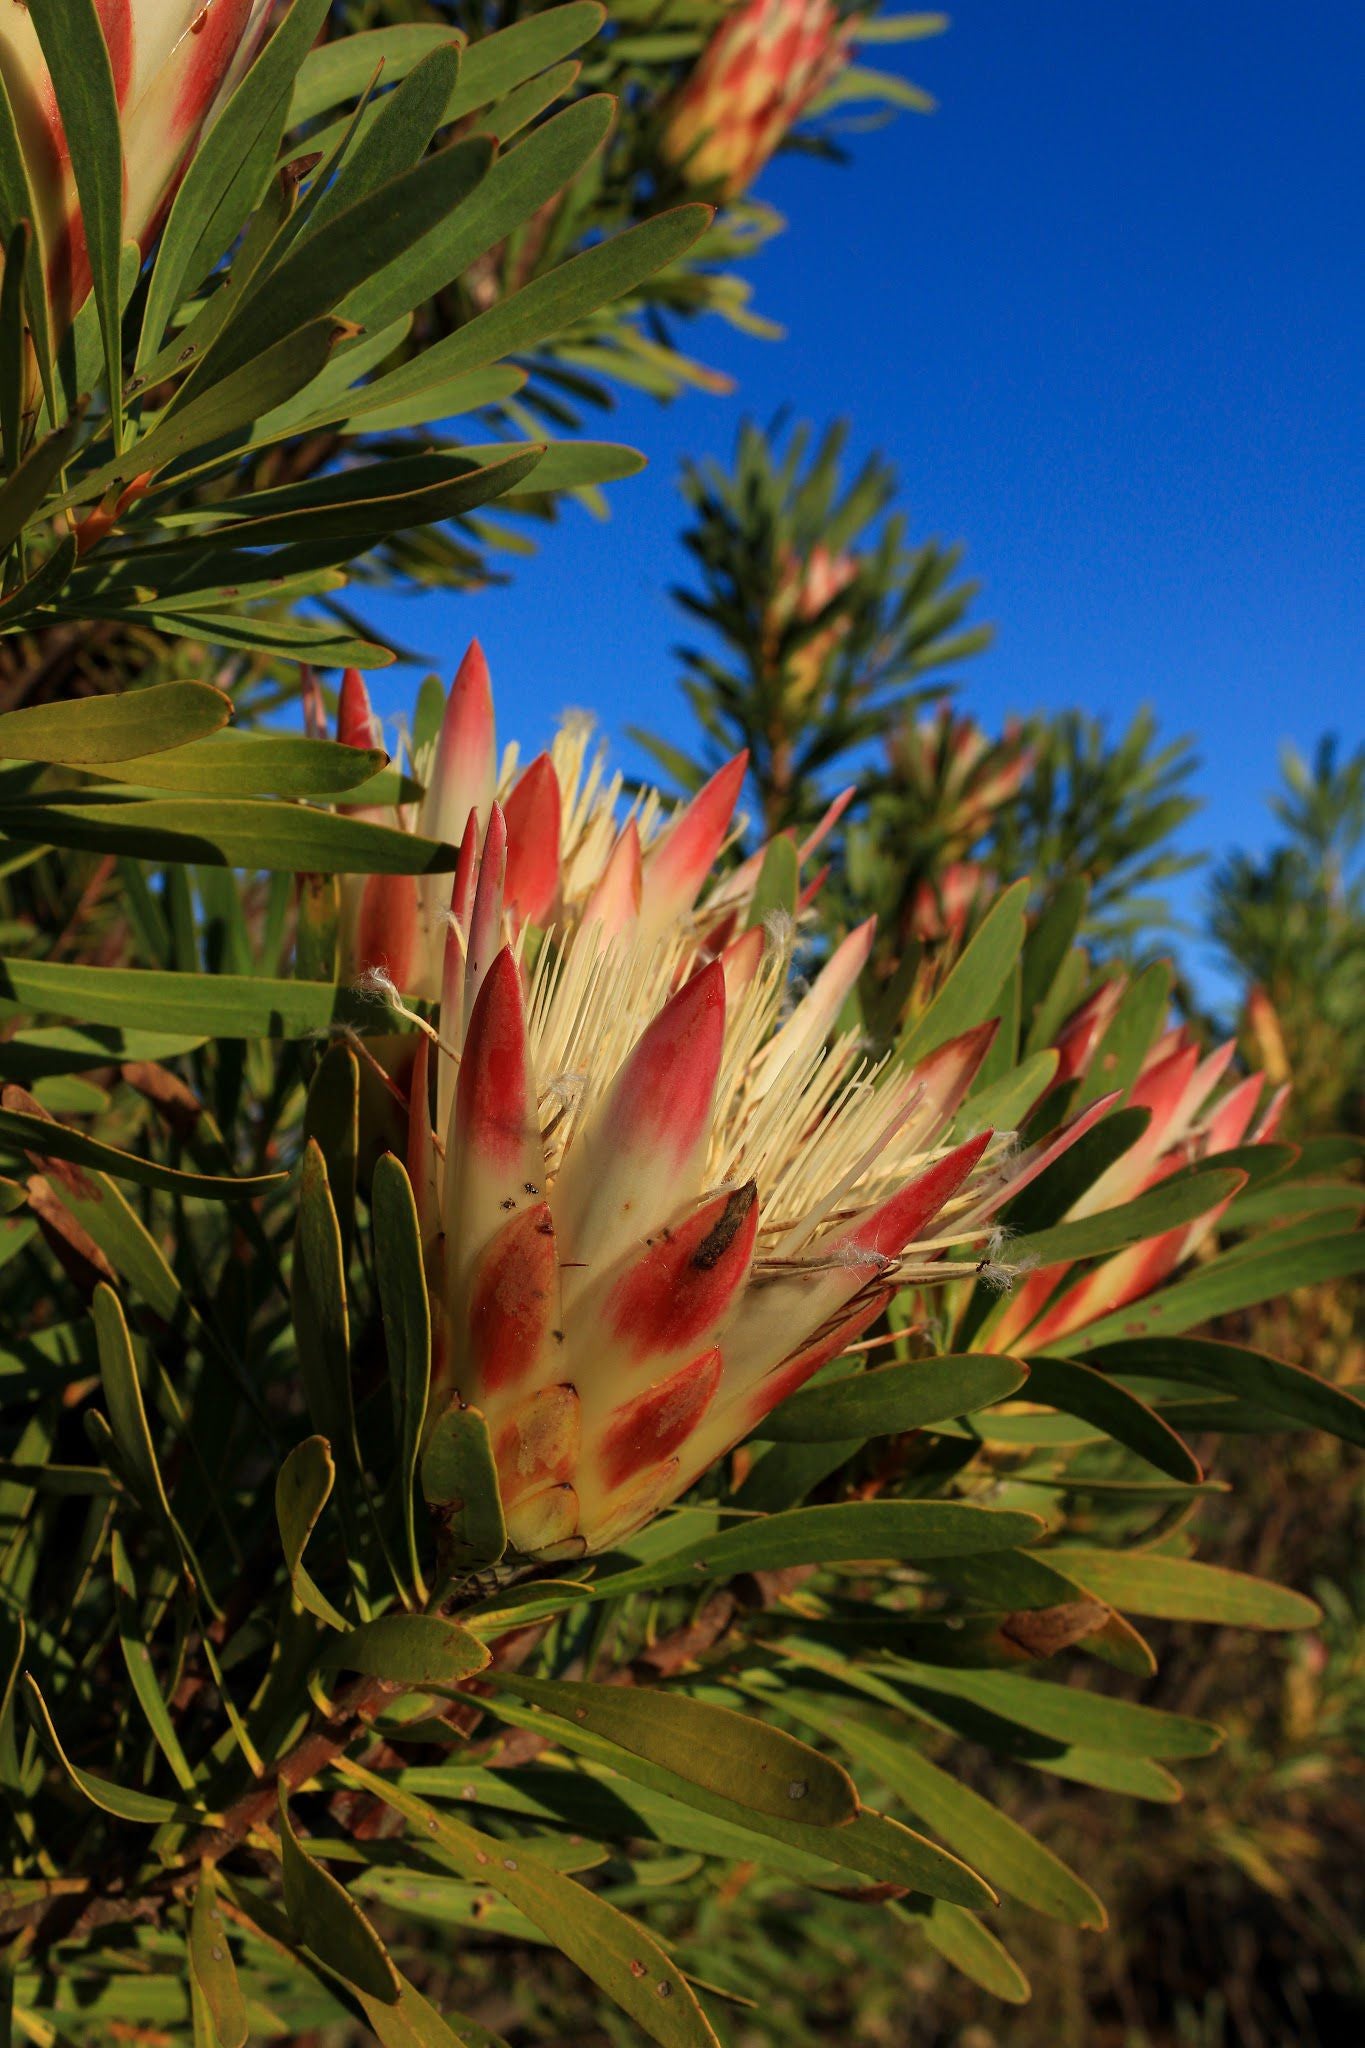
(955, 775)
(656, 1195)
(806, 588)
(1192, 1117)
(175, 63)
(756, 77)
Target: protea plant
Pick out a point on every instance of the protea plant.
(174, 64)
(656, 1196)
(806, 590)
(758, 74)
(1191, 1118)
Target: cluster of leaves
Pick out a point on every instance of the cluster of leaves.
(215, 1505)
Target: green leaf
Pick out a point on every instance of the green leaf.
(514, 189)
(963, 1942)
(494, 65)
(218, 1005)
(89, 731)
(121, 1800)
(25, 489)
(1181, 1199)
(39, 1136)
(1179, 1589)
(894, 1398)
(326, 1919)
(340, 70)
(970, 991)
(1066, 1713)
(137, 1657)
(123, 1401)
(460, 1477)
(1271, 1383)
(283, 838)
(318, 1304)
(401, 1276)
(617, 1953)
(211, 1960)
(332, 1116)
(778, 884)
(1002, 1850)
(734, 1756)
(222, 184)
(303, 1486)
(415, 2023)
(420, 1650)
(846, 1530)
(77, 57)
(19, 209)
(598, 276)
(320, 270)
(1120, 1053)
(1076, 1390)
(1044, 1203)
(253, 764)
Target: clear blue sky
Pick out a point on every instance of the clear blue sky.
(1106, 312)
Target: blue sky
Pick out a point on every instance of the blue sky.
(1105, 311)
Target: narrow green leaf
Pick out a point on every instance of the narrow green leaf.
(1067, 1713)
(38, 1136)
(970, 990)
(1272, 1383)
(77, 57)
(420, 1650)
(730, 1754)
(123, 1401)
(963, 1942)
(460, 1478)
(303, 1486)
(872, 1845)
(211, 1960)
(253, 764)
(332, 1117)
(401, 1276)
(278, 837)
(122, 1801)
(893, 1398)
(326, 1919)
(996, 1845)
(617, 1953)
(228, 170)
(318, 1303)
(1181, 1199)
(138, 1659)
(1180, 1589)
(1077, 1390)
(24, 492)
(91, 731)
(219, 1005)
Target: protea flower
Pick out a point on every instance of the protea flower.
(655, 1197)
(760, 71)
(954, 776)
(1190, 1119)
(175, 62)
(805, 589)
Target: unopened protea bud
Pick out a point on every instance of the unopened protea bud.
(656, 1196)
(174, 64)
(758, 74)
(1190, 1118)
(805, 590)
(954, 777)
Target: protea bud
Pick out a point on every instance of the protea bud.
(655, 1198)
(806, 589)
(954, 777)
(1191, 1118)
(174, 63)
(758, 74)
